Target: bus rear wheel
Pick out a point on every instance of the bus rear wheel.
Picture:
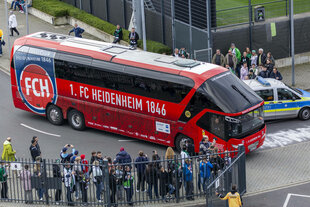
(54, 115)
(304, 114)
(180, 141)
(76, 120)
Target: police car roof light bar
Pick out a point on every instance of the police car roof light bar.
(262, 81)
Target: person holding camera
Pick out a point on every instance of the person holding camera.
(64, 156)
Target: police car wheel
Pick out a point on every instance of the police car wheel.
(76, 120)
(54, 115)
(304, 114)
(180, 142)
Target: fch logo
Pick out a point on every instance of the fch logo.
(37, 88)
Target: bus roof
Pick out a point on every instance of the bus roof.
(196, 70)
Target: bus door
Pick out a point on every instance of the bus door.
(135, 124)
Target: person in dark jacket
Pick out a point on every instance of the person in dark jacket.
(122, 157)
(217, 162)
(152, 179)
(163, 183)
(140, 164)
(156, 160)
(37, 145)
(204, 145)
(128, 185)
(276, 74)
(261, 58)
(190, 147)
(245, 59)
(78, 31)
(57, 175)
(64, 155)
(34, 150)
(251, 74)
(112, 184)
(264, 73)
(118, 34)
(133, 38)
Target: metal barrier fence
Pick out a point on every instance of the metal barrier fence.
(136, 183)
(204, 55)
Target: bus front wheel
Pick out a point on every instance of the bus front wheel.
(54, 115)
(180, 141)
(76, 120)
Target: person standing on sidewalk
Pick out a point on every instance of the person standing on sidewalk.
(8, 153)
(3, 181)
(141, 170)
(34, 150)
(78, 31)
(13, 23)
(1, 42)
(233, 197)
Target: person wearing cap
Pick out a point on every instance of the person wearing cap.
(133, 38)
(84, 164)
(13, 23)
(8, 154)
(64, 156)
(122, 157)
(233, 197)
(254, 58)
(205, 168)
(75, 155)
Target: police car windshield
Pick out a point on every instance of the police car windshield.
(295, 89)
(229, 93)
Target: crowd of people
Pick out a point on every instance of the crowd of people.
(249, 64)
(160, 178)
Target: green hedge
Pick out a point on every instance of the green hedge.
(58, 8)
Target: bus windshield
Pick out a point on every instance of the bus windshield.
(227, 127)
(229, 93)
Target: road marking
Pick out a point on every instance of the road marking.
(37, 130)
(126, 140)
(286, 137)
(289, 195)
(5, 71)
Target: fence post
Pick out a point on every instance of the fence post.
(292, 41)
(124, 14)
(45, 182)
(163, 22)
(107, 10)
(190, 27)
(250, 23)
(172, 24)
(241, 170)
(107, 181)
(177, 196)
(91, 6)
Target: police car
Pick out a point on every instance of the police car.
(281, 100)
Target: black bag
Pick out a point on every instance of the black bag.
(2, 42)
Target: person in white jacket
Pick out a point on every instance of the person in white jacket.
(13, 23)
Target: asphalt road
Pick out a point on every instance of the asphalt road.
(20, 126)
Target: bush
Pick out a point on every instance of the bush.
(58, 8)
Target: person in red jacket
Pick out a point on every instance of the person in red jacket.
(84, 163)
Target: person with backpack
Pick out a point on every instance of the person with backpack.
(233, 197)
(64, 155)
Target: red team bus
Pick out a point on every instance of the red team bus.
(144, 95)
